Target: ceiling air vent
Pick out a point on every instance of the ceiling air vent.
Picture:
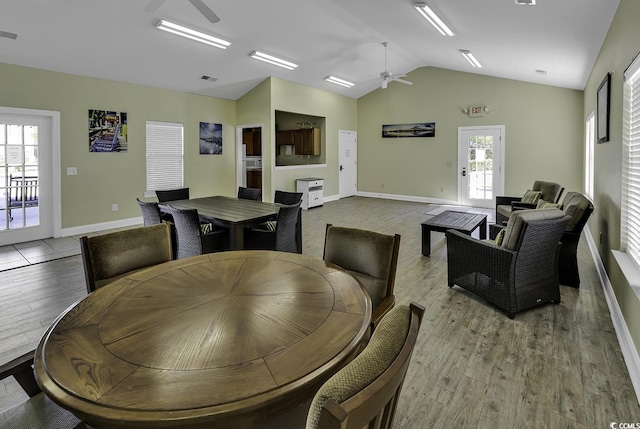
(212, 79)
(526, 2)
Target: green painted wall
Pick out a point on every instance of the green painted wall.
(341, 114)
(620, 47)
(107, 178)
(543, 130)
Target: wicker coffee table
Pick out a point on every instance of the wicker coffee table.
(460, 221)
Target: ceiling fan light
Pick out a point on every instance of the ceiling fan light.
(339, 81)
(272, 60)
(471, 58)
(192, 34)
(433, 19)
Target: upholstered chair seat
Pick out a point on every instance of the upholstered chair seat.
(546, 191)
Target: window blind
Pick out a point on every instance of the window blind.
(630, 230)
(164, 155)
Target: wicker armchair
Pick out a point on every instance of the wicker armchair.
(549, 191)
(285, 236)
(191, 241)
(579, 208)
(520, 273)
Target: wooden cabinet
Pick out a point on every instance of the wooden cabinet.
(254, 179)
(306, 141)
(252, 139)
(312, 189)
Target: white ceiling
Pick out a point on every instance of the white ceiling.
(117, 40)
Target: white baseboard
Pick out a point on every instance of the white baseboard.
(406, 198)
(629, 350)
(85, 229)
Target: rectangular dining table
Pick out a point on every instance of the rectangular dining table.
(232, 213)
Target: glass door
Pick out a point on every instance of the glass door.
(24, 181)
(480, 164)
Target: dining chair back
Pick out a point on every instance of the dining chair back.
(190, 239)
(365, 392)
(371, 257)
(108, 257)
(172, 195)
(282, 235)
(150, 212)
(250, 193)
(287, 198)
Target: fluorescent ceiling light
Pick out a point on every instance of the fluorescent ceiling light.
(471, 58)
(433, 18)
(272, 60)
(339, 81)
(192, 34)
(526, 2)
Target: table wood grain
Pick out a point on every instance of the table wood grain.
(229, 212)
(218, 340)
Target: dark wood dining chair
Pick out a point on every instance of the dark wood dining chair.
(190, 238)
(109, 257)
(250, 193)
(365, 393)
(371, 257)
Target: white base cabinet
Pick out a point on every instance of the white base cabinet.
(312, 189)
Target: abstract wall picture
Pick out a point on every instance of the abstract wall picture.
(107, 131)
(421, 129)
(210, 138)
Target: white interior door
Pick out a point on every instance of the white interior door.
(26, 211)
(480, 165)
(348, 161)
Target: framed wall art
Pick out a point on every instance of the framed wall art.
(603, 108)
(107, 131)
(421, 129)
(210, 138)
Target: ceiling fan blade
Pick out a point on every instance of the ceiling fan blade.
(205, 10)
(153, 5)
(406, 82)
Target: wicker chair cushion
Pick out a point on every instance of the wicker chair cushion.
(542, 204)
(574, 205)
(518, 219)
(549, 191)
(531, 196)
(119, 253)
(385, 344)
(504, 210)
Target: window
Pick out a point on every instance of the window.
(590, 139)
(630, 231)
(165, 141)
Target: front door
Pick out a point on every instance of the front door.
(25, 178)
(348, 163)
(480, 159)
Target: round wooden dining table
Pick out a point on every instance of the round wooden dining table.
(223, 340)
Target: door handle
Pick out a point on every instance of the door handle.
(464, 171)
(341, 168)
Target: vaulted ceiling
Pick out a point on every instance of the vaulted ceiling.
(118, 40)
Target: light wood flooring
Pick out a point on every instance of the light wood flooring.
(556, 366)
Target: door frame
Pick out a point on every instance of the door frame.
(239, 129)
(497, 190)
(340, 194)
(56, 193)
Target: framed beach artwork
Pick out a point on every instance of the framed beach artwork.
(421, 129)
(210, 138)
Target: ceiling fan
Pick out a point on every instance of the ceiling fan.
(387, 76)
(153, 5)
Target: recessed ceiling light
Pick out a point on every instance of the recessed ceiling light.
(526, 2)
(8, 35)
(433, 19)
(272, 60)
(471, 58)
(339, 81)
(192, 34)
